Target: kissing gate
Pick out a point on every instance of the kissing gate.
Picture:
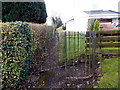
(70, 60)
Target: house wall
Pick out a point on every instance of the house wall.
(77, 25)
(113, 21)
(105, 20)
(70, 26)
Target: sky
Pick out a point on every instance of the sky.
(68, 9)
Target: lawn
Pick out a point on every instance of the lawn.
(72, 45)
(110, 73)
(111, 48)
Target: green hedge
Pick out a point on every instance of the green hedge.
(41, 37)
(16, 52)
(24, 11)
(21, 42)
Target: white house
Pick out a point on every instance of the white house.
(104, 16)
(108, 20)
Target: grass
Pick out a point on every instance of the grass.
(110, 73)
(110, 48)
(72, 45)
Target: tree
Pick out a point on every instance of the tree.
(56, 21)
(24, 11)
(91, 24)
(94, 25)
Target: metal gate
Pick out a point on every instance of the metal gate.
(71, 60)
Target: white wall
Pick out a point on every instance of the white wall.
(79, 24)
(70, 26)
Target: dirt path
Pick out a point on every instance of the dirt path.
(69, 77)
(55, 76)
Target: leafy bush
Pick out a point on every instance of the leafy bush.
(20, 43)
(24, 11)
(16, 52)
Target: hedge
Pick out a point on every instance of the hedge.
(16, 52)
(24, 11)
(21, 41)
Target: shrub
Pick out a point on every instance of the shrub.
(16, 52)
(96, 26)
(24, 11)
(21, 42)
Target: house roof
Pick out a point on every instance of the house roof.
(101, 12)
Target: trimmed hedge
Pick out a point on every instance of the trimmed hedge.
(24, 11)
(42, 35)
(21, 42)
(16, 52)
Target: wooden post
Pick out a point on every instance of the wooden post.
(78, 43)
(99, 47)
(69, 43)
(64, 45)
(93, 49)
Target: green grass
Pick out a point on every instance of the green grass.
(71, 46)
(110, 74)
(110, 48)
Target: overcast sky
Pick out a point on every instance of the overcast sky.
(67, 9)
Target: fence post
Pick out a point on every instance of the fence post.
(98, 34)
(78, 43)
(86, 52)
(69, 44)
(74, 35)
(65, 44)
(93, 49)
(65, 52)
(74, 44)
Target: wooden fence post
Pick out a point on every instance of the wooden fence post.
(93, 49)
(69, 44)
(65, 51)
